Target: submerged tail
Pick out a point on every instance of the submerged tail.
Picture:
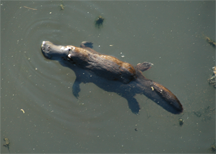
(172, 101)
(160, 95)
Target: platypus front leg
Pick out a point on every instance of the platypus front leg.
(76, 88)
(133, 104)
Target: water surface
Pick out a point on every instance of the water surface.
(168, 34)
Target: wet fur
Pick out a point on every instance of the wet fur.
(122, 78)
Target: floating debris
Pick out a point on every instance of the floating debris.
(7, 143)
(198, 113)
(29, 8)
(99, 21)
(210, 41)
(213, 149)
(181, 122)
(62, 6)
(206, 113)
(22, 110)
(212, 79)
(135, 129)
(214, 70)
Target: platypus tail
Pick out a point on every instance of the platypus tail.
(160, 95)
(168, 96)
(156, 92)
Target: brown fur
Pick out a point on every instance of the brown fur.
(111, 74)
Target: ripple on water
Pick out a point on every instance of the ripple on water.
(45, 86)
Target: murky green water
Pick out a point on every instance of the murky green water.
(52, 120)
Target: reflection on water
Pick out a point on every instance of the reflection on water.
(99, 121)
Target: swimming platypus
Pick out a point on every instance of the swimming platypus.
(111, 74)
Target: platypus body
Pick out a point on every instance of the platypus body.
(111, 74)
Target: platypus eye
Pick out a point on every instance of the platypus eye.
(67, 48)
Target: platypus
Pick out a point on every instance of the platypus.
(111, 74)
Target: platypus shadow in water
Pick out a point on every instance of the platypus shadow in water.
(111, 74)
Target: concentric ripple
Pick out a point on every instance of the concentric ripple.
(44, 86)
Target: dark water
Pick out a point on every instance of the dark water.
(169, 34)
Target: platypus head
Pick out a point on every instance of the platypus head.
(54, 52)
